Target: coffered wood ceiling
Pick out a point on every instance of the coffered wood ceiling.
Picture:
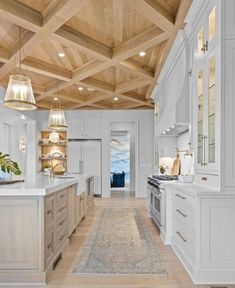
(101, 40)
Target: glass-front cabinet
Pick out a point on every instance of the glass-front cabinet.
(207, 34)
(207, 107)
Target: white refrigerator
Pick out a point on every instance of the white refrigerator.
(86, 154)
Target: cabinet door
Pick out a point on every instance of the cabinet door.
(93, 128)
(76, 128)
(207, 113)
(71, 209)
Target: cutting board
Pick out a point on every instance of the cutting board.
(176, 167)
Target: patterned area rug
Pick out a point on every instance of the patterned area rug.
(120, 243)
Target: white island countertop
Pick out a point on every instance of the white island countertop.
(42, 185)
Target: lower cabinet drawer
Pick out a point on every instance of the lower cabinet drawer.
(184, 240)
(184, 199)
(61, 196)
(60, 235)
(49, 247)
(186, 215)
(61, 211)
(49, 212)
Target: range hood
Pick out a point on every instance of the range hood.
(172, 95)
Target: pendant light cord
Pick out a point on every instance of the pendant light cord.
(20, 48)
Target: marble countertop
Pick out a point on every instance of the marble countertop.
(42, 185)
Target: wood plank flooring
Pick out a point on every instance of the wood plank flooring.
(62, 277)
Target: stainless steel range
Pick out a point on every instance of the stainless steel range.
(156, 199)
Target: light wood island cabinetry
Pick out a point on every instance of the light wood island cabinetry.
(35, 231)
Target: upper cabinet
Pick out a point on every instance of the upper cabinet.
(85, 127)
(207, 113)
(207, 33)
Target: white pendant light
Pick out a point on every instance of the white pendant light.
(19, 94)
(57, 120)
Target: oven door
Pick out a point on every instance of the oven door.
(155, 206)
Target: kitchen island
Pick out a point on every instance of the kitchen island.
(37, 218)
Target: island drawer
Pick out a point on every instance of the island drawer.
(61, 196)
(49, 247)
(60, 234)
(61, 211)
(49, 211)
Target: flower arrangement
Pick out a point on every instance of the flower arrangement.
(163, 168)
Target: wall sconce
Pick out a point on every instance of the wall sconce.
(22, 145)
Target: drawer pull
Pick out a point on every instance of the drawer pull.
(62, 237)
(181, 197)
(181, 213)
(49, 212)
(50, 246)
(178, 233)
(62, 196)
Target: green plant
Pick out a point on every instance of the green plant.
(7, 165)
(163, 168)
(45, 166)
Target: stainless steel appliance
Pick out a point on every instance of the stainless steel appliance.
(156, 199)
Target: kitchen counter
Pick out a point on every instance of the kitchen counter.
(43, 185)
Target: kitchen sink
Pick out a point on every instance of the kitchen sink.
(65, 177)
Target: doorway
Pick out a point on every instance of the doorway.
(123, 158)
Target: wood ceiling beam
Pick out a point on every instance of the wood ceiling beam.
(98, 85)
(125, 106)
(21, 15)
(155, 13)
(46, 69)
(139, 99)
(131, 85)
(85, 44)
(136, 69)
(142, 41)
(51, 22)
(37, 88)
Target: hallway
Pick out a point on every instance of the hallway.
(62, 277)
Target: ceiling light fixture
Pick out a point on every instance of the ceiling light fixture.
(19, 94)
(80, 88)
(61, 55)
(55, 98)
(142, 53)
(173, 126)
(56, 119)
(164, 132)
(115, 98)
(168, 129)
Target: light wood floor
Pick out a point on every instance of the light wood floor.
(63, 278)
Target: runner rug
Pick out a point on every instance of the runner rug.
(120, 243)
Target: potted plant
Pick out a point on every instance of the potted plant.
(163, 168)
(46, 168)
(7, 165)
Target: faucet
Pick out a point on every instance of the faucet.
(52, 171)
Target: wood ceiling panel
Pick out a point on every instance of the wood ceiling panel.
(101, 40)
(40, 5)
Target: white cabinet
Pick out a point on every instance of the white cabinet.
(166, 146)
(208, 31)
(207, 116)
(84, 127)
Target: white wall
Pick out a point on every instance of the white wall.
(145, 141)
